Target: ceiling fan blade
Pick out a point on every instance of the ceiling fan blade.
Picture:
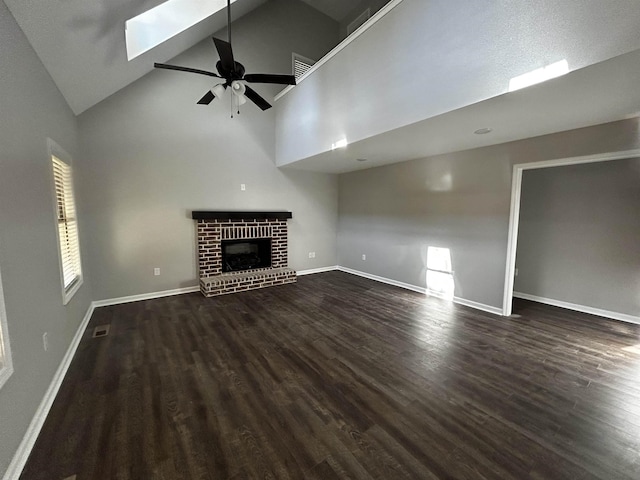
(185, 69)
(207, 98)
(270, 78)
(252, 95)
(226, 54)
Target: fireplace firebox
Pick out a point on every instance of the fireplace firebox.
(246, 254)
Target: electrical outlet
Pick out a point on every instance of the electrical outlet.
(516, 272)
(156, 271)
(45, 341)
(364, 257)
(312, 254)
(243, 187)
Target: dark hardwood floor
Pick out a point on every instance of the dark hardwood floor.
(340, 377)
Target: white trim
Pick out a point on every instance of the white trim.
(363, 28)
(316, 270)
(466, 303)
(580, 308)
(26, 445)
(388, 281)
(424, 291)
(514, 216)
(144, 296)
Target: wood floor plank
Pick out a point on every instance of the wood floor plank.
(339, 377)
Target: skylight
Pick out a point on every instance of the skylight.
(167, 20)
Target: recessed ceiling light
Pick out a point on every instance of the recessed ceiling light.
(483, 131)
(361, 159)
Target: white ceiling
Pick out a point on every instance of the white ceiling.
(601, 93)
(82, 43)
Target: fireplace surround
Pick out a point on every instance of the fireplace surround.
(247, 237)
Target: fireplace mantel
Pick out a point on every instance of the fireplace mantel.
(219, 215)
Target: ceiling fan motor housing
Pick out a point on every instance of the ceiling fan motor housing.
(230, 75)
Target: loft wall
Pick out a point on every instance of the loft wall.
(151, 156)
(32, 110)
(459, 201)
(579, 235)
(426, 58)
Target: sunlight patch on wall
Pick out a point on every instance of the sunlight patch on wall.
(342, 143)
(151, 28)
(539, 75)
(440, 280)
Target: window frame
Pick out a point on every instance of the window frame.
(6, 364)
(55, 151)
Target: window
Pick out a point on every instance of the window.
(66, 222)
(301, 65)
(6, 367)
(164, 21)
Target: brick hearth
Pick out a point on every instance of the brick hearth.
(213, 227)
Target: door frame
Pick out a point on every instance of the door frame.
(514, 215)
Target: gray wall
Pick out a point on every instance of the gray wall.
(151, 155)
(31, 109)
(579, 235)
(459, 201)
(373, 5)
(357, 94)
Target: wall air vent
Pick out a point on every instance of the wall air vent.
(300, 65)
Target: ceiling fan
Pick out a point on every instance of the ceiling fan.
(233, 75)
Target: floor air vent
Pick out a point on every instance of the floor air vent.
(101, 331)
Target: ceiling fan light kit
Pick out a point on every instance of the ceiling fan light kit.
(233, 74)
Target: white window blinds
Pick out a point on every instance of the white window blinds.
(67, 225)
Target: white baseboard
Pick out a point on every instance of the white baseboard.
(623, 317)
(467, 303)
(316, 270)
(145, 296)
(388, 281)
(24, 449)
(415, 288)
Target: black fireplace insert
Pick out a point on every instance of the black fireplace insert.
(238, 255)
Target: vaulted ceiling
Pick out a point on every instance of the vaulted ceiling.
(82, 45)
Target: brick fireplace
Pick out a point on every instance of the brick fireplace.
(243, 234)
